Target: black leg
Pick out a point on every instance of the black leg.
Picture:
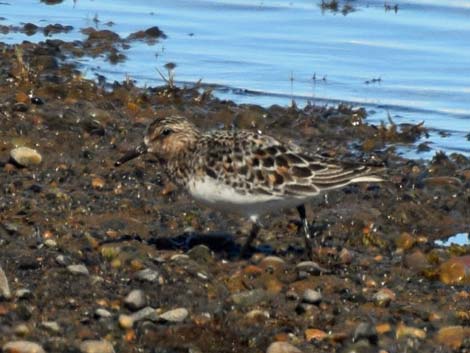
(253, 233)
(306, 229)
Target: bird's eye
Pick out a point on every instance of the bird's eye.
(166, 131)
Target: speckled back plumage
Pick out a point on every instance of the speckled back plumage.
(259, 164)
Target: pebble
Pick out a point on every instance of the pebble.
(416, 261)
(310, 267)
(179, 257)
(135, 300)
(100, 312)
(78, 269)
(452, 336)
(96, 346)
(25, 156)
(50, 243)
(98, 183)
(125, 321)
(147, 313)
(62, 260)
(405, 241)
(455, 271)
(22, 347)
(200, 253)
(409, 331)
(4, 287)
(272, 264)
(175, 315)
(147, 275)
(249, 297)
(21, 330)
(311, 296)
(257, 314)
(383, 297)
(51, 326)
(345, 256)
(313, 334)
(366, 331)
(282, 347)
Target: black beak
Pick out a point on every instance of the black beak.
(138, 151)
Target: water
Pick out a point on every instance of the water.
(457, 239)
(418, 56)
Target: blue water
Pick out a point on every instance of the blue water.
(274, 48)
(457, 239)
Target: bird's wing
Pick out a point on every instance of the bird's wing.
(258, 163)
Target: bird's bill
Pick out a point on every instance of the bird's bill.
(136, 152)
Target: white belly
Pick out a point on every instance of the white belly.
(223, 197)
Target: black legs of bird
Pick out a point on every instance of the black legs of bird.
(255, 228)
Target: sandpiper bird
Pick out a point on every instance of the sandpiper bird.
(242, 171)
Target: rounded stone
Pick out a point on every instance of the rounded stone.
(25, 156)
(311, 296)
(96, 346)
(175, 315)
(135, 300)
(384, 296)
(4, 286)
(22, 347)
(100, 312)
(147, 275)
(78, 269)
(282, 347)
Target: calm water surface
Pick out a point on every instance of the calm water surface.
(413, 64)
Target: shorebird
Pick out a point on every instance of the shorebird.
(244, 172)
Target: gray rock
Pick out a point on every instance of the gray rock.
(96, 346)
(310, 267)
(22, 347)
(4, 287)
(282, 347)
(63, 260)
(135, 300)
(78, 269)
(51, 326)
(175, 315)
(147, 275)
(367, 331)
(311, 296)
(200, 253)
(147, 313)
(23, 293)
(100, 312)
(249, 297)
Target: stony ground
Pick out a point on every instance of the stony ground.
(95, 258)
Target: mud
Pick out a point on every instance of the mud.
(381, 281)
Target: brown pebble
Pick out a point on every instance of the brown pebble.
(452, 336)
(416, 261)
(384, 296)
(409, 331)
(98, 183)
(456, 270)
(383, 328)
(313, 334)
(405, 241)
(22, 97)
